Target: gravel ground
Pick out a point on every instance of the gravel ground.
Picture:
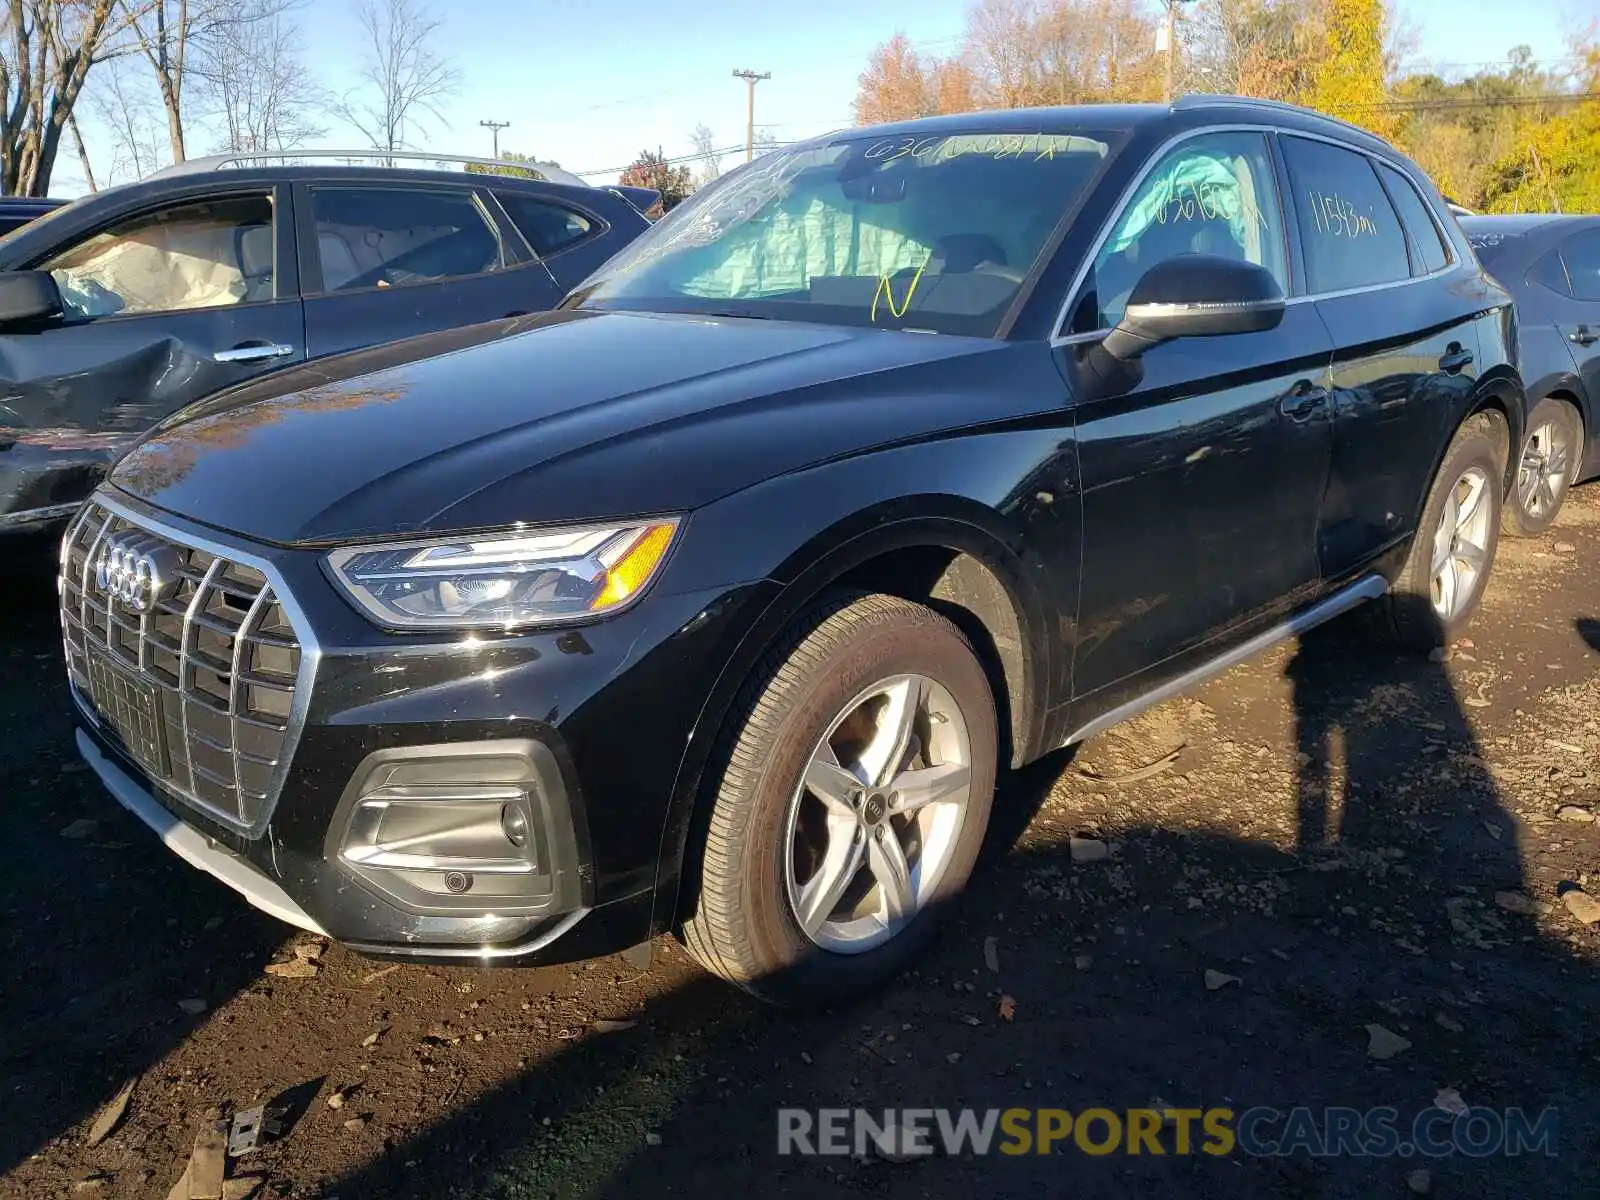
(1329, 841)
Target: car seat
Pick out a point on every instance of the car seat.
(253, 246)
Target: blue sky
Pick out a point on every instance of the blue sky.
(591, 82)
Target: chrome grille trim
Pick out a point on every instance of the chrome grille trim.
(236, 704)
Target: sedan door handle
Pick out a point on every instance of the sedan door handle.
(1584, 336)
(1303, 400)
(1455, 361)
(253, 353)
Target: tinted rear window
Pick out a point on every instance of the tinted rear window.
(549, 228)
(1349, 231)
(1582, 255)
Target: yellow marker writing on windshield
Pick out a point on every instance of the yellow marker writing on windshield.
(886, 291)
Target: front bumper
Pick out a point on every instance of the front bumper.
(194, 847)
(600, 713)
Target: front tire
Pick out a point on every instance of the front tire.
(1549, 461)
(1447, 566)
(850, 802)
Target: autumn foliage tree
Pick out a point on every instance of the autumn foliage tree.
(1350, 80)
(1018, 53)
(652, 170)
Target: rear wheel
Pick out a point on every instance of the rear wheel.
(1549, 460)
(850, 805)
(1447, 567)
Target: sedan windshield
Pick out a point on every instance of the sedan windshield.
(933, 233)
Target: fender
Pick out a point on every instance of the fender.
(851, 537)
(1499, 388)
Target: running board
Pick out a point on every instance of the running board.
(1359, 592)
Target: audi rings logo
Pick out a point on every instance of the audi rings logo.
(136, 570)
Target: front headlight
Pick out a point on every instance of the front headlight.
(504, 580)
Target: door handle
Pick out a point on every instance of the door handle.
(1453, 362)
(1303, 400)
(1584, 336)
(258, 352)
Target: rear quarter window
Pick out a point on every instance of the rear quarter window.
(1427, 247)
(549, 227)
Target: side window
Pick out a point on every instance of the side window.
(1426, 244)
(549, 227)
(1348, 229)
(1213, 194)
(1551, 271)
(389, 237)
(1582, 255)
(196, 255)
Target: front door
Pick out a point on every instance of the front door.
(1406, 343)
(1201, 486)
(388, 261)
(159, 309)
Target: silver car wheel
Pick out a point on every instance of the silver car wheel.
(1460, 554)
(1545, 470)
(875, 821)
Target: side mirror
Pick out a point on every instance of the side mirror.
(28, 296)
(1195, 295)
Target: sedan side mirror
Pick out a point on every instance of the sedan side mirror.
(1195, 295)
(28, 296)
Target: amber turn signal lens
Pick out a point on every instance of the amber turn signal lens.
(633, 570)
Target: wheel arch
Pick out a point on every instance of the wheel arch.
(1500, 393)
(949, 552)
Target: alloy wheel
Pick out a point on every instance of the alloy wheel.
(1544, 470)
(875, 820)
(1460, 544)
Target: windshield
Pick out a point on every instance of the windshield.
(932, 233)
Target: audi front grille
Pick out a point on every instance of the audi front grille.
(199, 687)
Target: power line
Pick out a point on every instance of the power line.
(1464, 102)
(676, 159)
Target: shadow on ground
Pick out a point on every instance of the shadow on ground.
(1384, 914)
(105, 933)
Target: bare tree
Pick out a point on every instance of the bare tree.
(705, 152)
(171, 33)
(83, 153)
(402, 75)
(133, 119)
(251, 76)
(46, 50)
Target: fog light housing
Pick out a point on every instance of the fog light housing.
(418, 822)
(514, 824)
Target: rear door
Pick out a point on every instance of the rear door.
(384, 261)
(1201, 486)
(161, 307)
(1578, 317)
(1405, 345)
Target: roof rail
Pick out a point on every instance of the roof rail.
(386, 158)
(1212, 99)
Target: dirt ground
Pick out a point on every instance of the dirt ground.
(1332, 834)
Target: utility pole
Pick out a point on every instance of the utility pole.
(495, 127)
(751, 78)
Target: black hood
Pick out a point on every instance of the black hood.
(563, 416)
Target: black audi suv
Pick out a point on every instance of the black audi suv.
(714, 601)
